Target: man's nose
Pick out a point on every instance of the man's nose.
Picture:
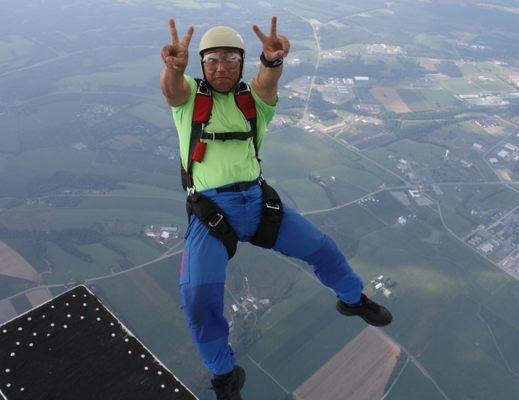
(221, 65)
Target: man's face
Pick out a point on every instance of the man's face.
(222, 68)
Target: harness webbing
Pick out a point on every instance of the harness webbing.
(205, 209)
(201, 114)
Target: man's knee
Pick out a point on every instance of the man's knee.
(297, 237)
(328, 262)
(203, 307)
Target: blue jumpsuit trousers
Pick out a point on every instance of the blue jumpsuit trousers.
(204, 260)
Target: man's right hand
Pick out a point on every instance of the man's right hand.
(175, 55)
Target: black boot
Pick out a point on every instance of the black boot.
(371, 312)
(228, 387)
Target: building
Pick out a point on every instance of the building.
(503, 154)
(487, 247)
(414, 193)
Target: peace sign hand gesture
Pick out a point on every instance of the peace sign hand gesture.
(175, 55)
(274, 45)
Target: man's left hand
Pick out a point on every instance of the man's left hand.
(274, 45)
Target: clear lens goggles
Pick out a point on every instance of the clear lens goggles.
(229, 59)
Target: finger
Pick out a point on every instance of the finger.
(259, 33)
(285, 44)
(166, 50)
(189, 35)
(278, 54)
(163, 54)
(273, 26)
(171, 61)
(173, 31)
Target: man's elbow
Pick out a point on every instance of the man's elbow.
(268, 94)
(170, 101)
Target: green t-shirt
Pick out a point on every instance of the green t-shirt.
(224, 161)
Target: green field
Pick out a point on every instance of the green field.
(307, 195)
(460, 86)
(68, 268)
(440, 99)
(153, 114)
(14, 49)
(492, 84)
(10, 140)
(125, 73)
(412, 385)
(137, 250)
(119, 215)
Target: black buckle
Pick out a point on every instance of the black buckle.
(203, 89)
(242, 87)
(215, 220)
(273, 205)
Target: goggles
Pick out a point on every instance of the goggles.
(211, 60)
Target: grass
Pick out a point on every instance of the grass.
(128, 73)
(352, 174)
(412, 385)
(153, 114)
(68, 268)
(10, 141)
(138, 250)
(117, 215)
(13, 48)
(47, 161)
(460, 86)
(306, 194)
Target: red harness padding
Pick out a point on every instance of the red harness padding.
(203, 108)
(245, 103)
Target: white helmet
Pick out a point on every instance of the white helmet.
(221, 36)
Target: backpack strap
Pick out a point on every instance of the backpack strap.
(201, 114)
(247, 105)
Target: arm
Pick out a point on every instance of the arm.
(175, 56)
(265, 82)
(174, 87)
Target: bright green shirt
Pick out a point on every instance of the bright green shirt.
(224, 161)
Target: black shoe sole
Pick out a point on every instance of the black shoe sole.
(348, 312)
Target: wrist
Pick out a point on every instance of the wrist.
(271, 64)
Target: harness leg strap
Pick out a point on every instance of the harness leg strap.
(267, 232)
(208, 212)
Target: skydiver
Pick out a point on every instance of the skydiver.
(227, 194)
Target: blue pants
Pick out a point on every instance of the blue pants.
(204, 260)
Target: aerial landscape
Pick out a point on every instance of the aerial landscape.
(396, 133)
